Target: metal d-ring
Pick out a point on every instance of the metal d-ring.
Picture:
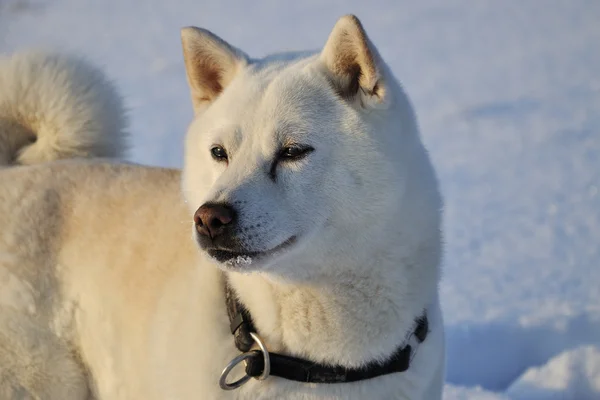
(244, 357)
(267, 360)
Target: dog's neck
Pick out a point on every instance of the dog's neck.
(348, 323)
(365, 303)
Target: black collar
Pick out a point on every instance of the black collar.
(297, 369)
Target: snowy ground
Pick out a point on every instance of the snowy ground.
(508, 96)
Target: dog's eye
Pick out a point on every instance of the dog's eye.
(294, 152)
(218, 153)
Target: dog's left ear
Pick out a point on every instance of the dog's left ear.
(355, 64)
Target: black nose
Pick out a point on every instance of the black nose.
(212, 219)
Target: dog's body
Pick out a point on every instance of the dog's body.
(332, 240)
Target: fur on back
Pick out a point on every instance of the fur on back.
(55, 106)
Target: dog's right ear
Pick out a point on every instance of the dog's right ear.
(210, 64)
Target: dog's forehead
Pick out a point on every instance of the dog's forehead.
(274, 98)
(297, 95)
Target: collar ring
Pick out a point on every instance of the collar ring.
(244, 357)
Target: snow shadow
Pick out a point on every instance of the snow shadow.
(493, 355)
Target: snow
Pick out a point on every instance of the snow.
(508, 97)
(573, 374)
(470, 393)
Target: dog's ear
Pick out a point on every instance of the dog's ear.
(354, 63)
(210, 64)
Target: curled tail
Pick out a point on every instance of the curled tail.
(55, 106)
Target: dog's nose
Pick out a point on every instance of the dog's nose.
(212, 219)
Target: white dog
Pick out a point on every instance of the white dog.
(315, 210)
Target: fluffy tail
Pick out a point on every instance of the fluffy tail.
(56, 106)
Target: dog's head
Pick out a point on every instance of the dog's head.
(294, 160)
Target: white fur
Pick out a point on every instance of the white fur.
(55, 106)
(126, 307)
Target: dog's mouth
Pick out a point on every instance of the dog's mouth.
(238, 258)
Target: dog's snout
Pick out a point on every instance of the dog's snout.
(212, 219)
